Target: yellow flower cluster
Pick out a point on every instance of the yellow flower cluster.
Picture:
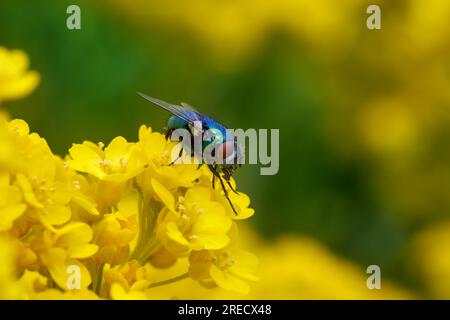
(15, 80)
(292, 267)
(95, 224)
(429, 252)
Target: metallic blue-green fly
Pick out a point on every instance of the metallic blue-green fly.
(212, 132)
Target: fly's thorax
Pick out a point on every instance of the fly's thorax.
(174, 123)
(213, 135)
(212, 139)
(207, 141)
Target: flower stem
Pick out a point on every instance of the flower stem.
(99, 278)
(142, 225)
(147, 242)
(168, 281)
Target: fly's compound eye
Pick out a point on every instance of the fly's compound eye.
(226, 152)
(214, 135)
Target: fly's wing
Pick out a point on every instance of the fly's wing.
(189, 107)
(199, 116)
(188, 115)
(207, 121)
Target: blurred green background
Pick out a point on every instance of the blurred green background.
(363, 115)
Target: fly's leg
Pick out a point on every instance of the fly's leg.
(179, 157)
(227, 179)
(216, 174)
(168, 133)
(231, 187)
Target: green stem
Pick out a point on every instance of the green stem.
(147, 229)
(142, 226)
(98, 279)
(148, 250)
(168, 281)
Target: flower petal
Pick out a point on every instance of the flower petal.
(163, 194)
(228, 281)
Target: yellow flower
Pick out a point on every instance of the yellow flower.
(11, 206)
(47, 199)
(113, 235)
(107, 212)
(119, 293)
(40, 176)
(130, 277)
(295, 267)
(163, 258)
(228, 269)
(12, 288)
(60, 248)
(157, 151)
(8, 286)
(84, 205)
(199, 224)
(7, 149)
(119, 161)
(79, 219)
(15, 142)
(113, 166)
(431, 256)
(26, 257)
(75, 238)
(240, 201)
(31, 283)
(290, 268)
(15, 80)
(106, 196)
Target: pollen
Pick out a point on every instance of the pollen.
(230, 263)
(123, 162)
(76, 185)
(185, 217)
